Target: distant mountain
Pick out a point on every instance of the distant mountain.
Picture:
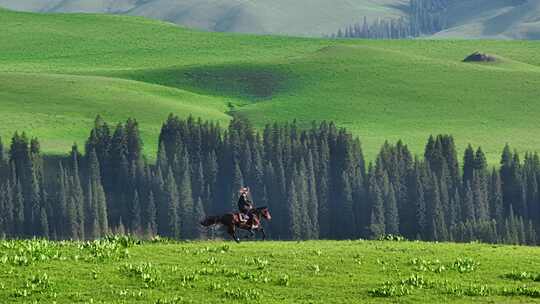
(499, 19)
(288, 17)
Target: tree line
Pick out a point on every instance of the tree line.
(315, 182)
(425, 17)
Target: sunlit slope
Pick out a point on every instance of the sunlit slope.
(378, 89)
(386, 90)
(52, 68)
(379, 92)
(60, 109)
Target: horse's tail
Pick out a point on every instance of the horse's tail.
(211, 221)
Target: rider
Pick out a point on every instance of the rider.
(245, 205)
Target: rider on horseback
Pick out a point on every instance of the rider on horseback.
(245, 205)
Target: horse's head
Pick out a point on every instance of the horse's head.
(265, 213)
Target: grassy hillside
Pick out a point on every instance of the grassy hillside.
(318, 17)
(270, 272)
(67, 68)
(493, 19)
(59, 108)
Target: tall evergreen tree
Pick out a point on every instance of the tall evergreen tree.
(18, 210)
(468, 165)
(186, 208)
(391, 212)
(377, 220)
(76, 195)
(496, 199)
(199, 215)
(170, 196)
(435, 218)
(293, 211)
(135, 216)
(151, 215)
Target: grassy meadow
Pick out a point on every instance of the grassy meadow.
(118, 270)
(57, 71)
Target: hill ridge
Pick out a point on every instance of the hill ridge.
(379, 90)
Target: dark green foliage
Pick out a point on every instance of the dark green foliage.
(135, 216)
(391, 212)
(198, 215)
(150, 218)
(376, 226)
(425, 17)
(170, 196)
(314, 182)
(186, 207)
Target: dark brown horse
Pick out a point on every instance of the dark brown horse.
(232, 222)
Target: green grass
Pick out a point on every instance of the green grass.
(267, 272)
(58, 71)
(58, 108)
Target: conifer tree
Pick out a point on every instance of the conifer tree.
(199, 215)
(480, 162)
(377, 220)
(7, 212)
(531, 234)
(62, 211)
(467, 208)
(18, 210)
(151, 215)
(313, 202)
(170, 195)
(468, 165)
(323, 190)
(391, 212)
(44, 223)
(480, 200)
(97, 205)
(77, 195)
(91, 218)
(3, 215)
(496, 199)
(416, 210)
(136, 221)
(301, 189)
(435, 218)
(237, 182)
(134, 143)
(187, 221)
(293, 211)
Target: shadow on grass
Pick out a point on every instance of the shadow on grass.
(252, 83)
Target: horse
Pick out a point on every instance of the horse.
(232, 221)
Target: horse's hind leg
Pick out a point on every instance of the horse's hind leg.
(232, 233)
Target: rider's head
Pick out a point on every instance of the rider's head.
(244, 191)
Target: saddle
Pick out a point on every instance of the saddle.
(245, 218)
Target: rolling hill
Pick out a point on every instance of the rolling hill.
(471, 19)
(497, 19)
(301, 18)
(58, 71)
